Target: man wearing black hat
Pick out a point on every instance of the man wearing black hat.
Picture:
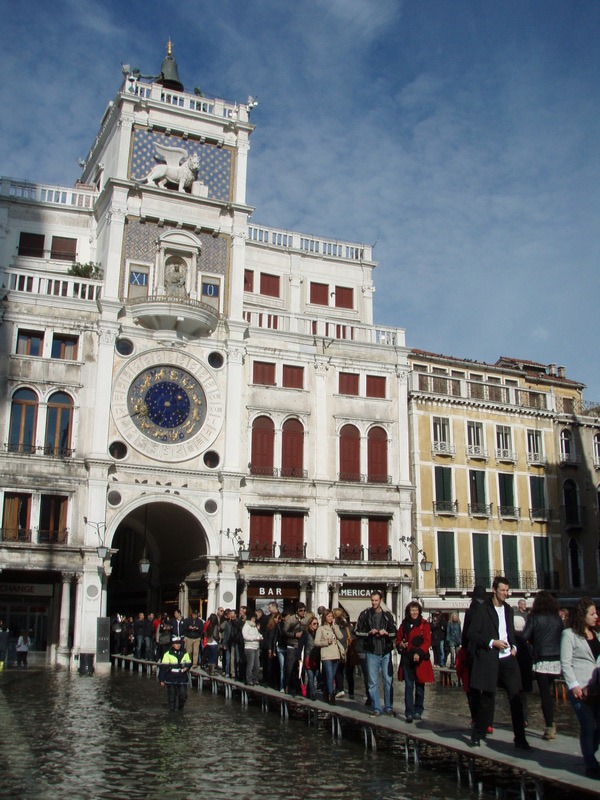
(173, 672)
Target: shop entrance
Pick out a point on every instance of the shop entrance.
(160, 546)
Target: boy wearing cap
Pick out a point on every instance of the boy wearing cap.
(173, 672)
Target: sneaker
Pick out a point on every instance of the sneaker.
(475, 741)
(375, 714)
(341, 693)
(408, 718)
(418, 716)
(390, 712)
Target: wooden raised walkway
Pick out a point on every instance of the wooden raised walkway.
(557, 763)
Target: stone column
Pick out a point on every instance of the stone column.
(65, 609)
(335, 595)
(303, 593)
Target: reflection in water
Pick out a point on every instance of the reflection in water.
(112, 737)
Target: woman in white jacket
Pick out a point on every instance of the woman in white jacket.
(252, 637)
(580, 662)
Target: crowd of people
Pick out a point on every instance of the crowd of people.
(297, 651)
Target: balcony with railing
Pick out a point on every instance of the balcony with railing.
(507, 456)
(479, 391)
(447, 508)
(325, 326)
(536, 459)
(578, 407)
(33, 536)
(191, 318)
(260, 551)
(440, 448)
(480, 509)
(46, 284)
(19, 448)
(567, 459)
(82, 197)
(277, 472)
(356, 477)
(540, 514)
(360, 553)
(465, 579)
(509, 512)
(477, 452)
(301, 242)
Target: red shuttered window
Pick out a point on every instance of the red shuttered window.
(349, 453)
(319, 294)
(350, 538)
(293, 377)
(261, 534)
(375, 386)
(263, 438)
(292, 535)
(344, 297)
(348, 383)
(264, 373)
(292, 449)
(377, 465)
(269, 284)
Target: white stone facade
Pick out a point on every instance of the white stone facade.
(209, 386)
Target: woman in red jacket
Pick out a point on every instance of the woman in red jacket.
(413, 642)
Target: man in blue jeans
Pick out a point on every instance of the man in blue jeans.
(378, 630)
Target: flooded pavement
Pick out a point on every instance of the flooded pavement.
(66, 736)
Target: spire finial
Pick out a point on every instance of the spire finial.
(169, 48)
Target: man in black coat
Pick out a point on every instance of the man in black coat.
(492, 646)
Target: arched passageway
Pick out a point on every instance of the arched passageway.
(173, 544)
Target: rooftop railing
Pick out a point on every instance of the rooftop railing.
(79, 197)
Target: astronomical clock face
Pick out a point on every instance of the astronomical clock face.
(167, 405)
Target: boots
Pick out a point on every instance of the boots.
(550, 732)
(331, 699)
(211, 669)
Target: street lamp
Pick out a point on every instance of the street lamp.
(235, 538)
(425, 565)
(101, 549)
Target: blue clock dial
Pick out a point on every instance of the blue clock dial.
(167, 404)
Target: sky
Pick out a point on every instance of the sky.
(461, 137)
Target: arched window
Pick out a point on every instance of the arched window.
(349, 453)
(575, 563)
(263, 438)
(377, 461)
(59, 424)
(23, 419)
(571, 503)
(292, 449)
(566, 445)
(597, 450)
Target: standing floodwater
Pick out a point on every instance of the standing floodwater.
(64, 736)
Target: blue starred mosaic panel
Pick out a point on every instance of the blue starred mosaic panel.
(140, 244)
(216, 163)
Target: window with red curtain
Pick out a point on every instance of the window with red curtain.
(292, 535)
(263, 438)
(344, 297)
(248, 280)
(375, 386)
(292, 449)
(319, 294)
(269, 284)
(377, 466)
(261, 534)
(349, 453)
(378, 539)
(293, 377)
(348, 383)
(350, 538)
(264, 373)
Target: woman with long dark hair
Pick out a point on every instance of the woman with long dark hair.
(329, 639)
(580, 662)
(212, 637)
(413, 641)
(543, 631)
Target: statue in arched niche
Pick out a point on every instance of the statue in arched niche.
(175, 278)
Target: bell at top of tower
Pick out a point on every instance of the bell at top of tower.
(169, 77)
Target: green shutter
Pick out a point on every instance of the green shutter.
(481, 560)
(511, 560)
(446, 563)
